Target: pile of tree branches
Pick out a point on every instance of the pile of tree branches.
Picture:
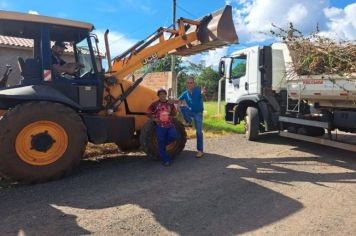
(315, 54)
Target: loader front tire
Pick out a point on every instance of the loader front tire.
(149, 144)
(40, 141)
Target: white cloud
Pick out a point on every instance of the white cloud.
(297, 12)
(33, 12)
(333, 12)
(341, 22)
(210, 58)
(144, 6)
(118, 42)
(254, 16)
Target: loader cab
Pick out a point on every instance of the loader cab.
(82, 90)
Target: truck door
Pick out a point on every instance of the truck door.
(237, 81)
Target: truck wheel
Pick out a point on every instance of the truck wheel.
(149, 144)
(252, 123)
(40, 141)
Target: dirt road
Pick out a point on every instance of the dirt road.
(278, 187)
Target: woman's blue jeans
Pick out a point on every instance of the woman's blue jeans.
(165, 136)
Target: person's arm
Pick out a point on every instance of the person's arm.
(150, 111)
(181, 99)
(69, 68)
(200, 92)
(63, 67)
(203, 91)
(173, 111)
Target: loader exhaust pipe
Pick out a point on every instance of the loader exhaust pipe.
(107, 48)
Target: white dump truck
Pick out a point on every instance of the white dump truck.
(263, 90)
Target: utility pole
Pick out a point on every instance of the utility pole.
(173, 58)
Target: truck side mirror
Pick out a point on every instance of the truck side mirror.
(222, 68)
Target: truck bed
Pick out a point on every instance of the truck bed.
(327, 90)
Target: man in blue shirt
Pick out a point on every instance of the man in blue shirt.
(192, 109)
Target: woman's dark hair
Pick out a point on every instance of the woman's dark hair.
(161, 91)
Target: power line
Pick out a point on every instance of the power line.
(186, 11)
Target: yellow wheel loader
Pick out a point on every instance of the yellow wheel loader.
(47, 120)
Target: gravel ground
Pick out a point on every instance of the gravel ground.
(272, 187)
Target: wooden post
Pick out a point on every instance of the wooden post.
(173, 59)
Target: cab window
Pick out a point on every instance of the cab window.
(84, 57)
(238, 67)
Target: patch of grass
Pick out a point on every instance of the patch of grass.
(214, 124)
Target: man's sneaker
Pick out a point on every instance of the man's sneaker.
(167, 163)
(199, 154)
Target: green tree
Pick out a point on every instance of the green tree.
(182, 77)
(165, 64)
(239, 70)
(209, 78)
(205, 77)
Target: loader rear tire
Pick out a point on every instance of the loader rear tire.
(149, 144)
(40, 141)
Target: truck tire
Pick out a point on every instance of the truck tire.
(252, 123)
(149, 144)
(40, 141)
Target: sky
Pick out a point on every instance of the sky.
(132, 20)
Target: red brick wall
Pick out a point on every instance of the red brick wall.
(156, 80)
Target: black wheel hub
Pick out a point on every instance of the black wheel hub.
(42, 142)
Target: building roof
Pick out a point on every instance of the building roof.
(16, 42)
(8, 41)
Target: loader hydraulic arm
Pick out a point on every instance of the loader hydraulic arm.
(192, 36)
(144, 52)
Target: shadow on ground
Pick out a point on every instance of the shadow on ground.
(193, 197)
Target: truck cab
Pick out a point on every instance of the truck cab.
(242, 74)
(255, 86)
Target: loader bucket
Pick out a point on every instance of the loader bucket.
(215, 30)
